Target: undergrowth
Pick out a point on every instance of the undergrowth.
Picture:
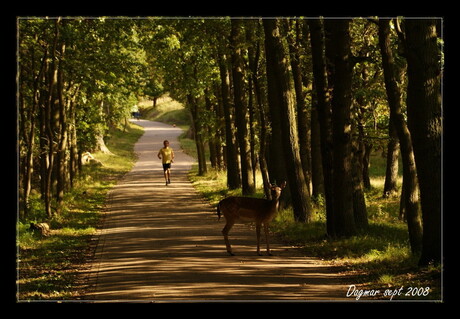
(48, 267)
(376, 258)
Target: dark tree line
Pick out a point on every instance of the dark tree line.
(76, 78)
(300, 100)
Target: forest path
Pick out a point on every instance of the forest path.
(164, 243)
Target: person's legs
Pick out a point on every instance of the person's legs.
(168, 173)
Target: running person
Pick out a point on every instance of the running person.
(166, 154)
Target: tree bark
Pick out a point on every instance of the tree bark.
(391, 175)
(253, 61)
(359, 202)
(198, 134)
(324, 115)
(247, 181)
(409, 193)
(233, 172)
(61, 185)
(301, 108)
(277, 71)
(425, 124)
(341, 127)
(317, 176)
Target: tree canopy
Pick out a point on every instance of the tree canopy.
(305, 100)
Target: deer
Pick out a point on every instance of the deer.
(246, 209)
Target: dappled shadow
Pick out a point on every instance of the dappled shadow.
(165, 243)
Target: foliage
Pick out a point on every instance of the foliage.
(49, 267)
(79, 78)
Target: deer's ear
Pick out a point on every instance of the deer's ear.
(283, 185)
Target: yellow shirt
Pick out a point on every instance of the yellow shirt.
(166, 154)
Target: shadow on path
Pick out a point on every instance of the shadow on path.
(164, 243)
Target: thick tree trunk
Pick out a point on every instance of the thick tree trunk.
(341, 127)
(233, 173)
(247, 181)
(254, 57)
(324, 115)
(303, 123)
(409, 193)
(277, 70)
(425, 124)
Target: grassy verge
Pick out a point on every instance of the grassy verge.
(48, 267)
(167, 111)
(378, 258)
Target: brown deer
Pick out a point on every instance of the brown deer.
(245, 209)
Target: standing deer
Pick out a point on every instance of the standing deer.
(245, 209)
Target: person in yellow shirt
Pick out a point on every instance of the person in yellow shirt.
(166, 154)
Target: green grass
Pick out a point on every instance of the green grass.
(167, 111)
(377, 258)
(48, 267)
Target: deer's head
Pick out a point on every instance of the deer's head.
(276, 190)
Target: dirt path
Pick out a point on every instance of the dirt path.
(164, 243)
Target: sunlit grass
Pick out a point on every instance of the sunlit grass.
(48, 266)
(167, 110)
(377, 257)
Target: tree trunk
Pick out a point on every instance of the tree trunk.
(277, 70)
(391, 175)
(28, 116)
(252, 133)
(198, 135)
(233, 173)
(324, 115)
(366, 164)
(425, 124)
(409, 193)
(247, 181)
(48, 125)
(341, 127)
(254, 57)
(317, 177)
(302, 113)
(61, 155)
(359, 202)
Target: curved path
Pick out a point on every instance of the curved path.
(164, 243)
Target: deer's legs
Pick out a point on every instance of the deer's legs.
(225, 231)
(266, 239)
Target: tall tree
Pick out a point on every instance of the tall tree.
(233, 171)
(254, 38)
(324, 111)
(340, 58)
(283, 106)
(294, 34)
(410, 196)
(236, 43)
(425, 124)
